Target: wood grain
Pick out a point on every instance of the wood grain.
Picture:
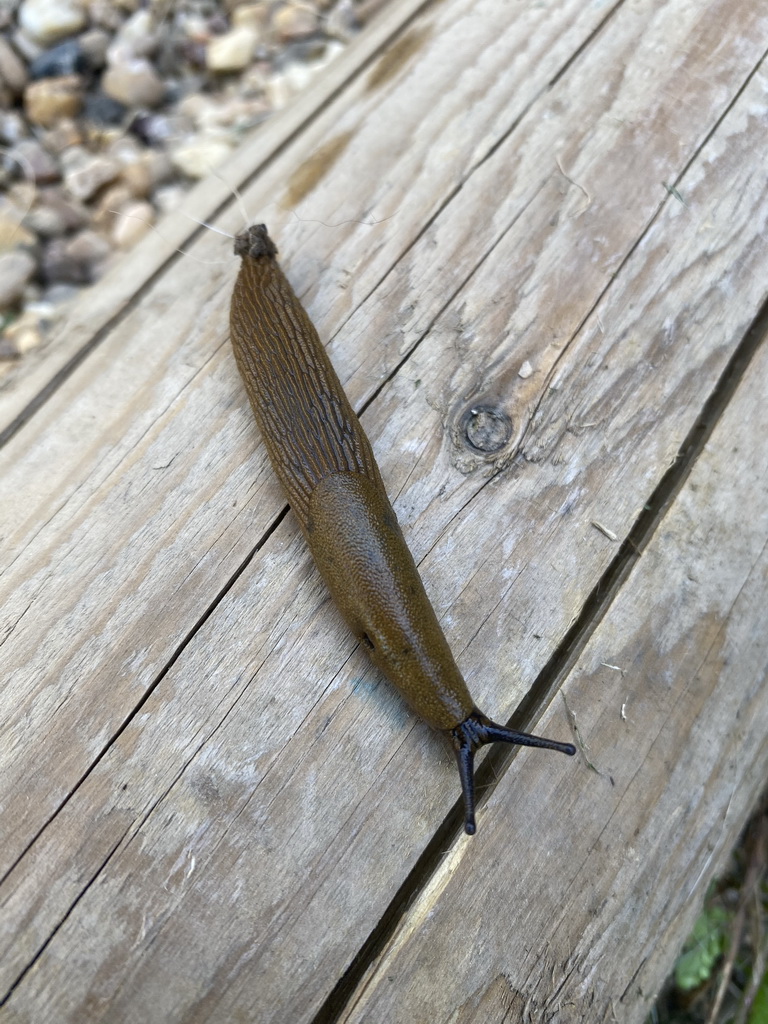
(670, 700)
(209, 798)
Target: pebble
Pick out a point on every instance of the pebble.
(12, 71)
(35, 162)
(88, 247)
(133, 222)
(75, 261)
(62, 136)
(106, 14)
(65, 59)
(232, 51)
(295, 21)
(48, 21)
(255, 16)
(16, 269)
(342, 22)
(49, 100)
(111, 200)
(24, 46)
(20, 197)
(22, 335)
(137, 37)
(101, 109)
(199, 156)
(134, 82)
(137, 178)
(55, 214)
(13, 234)
(88, 173)
(94, 45)
(143, 176)
(116, 105)
(12, 127)
(160, 129)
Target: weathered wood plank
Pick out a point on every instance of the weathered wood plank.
(122, 427)
(600, 874)
(145, 363)
(144, 438)
(258, 812)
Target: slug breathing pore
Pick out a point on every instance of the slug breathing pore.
(325, 463)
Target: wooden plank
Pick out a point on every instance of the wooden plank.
(145, 362)
(601, 873)
(122, 427)
(265, 839)
(102, 306)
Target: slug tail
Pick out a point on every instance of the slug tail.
(474, 732)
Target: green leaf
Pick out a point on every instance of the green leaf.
(705, 944)
(759, 1012)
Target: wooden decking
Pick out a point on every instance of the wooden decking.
(541, 226)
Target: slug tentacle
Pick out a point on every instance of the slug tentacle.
(474, 732)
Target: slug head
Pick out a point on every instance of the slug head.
(477, 730)
(255, 242)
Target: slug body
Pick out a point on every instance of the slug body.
(326, 465)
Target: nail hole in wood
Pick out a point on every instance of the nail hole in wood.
(486, 429)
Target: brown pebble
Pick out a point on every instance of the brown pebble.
(294, 21)
(137, 178)
(50, 99)
(110, 202)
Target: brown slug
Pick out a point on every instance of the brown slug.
(326, 465)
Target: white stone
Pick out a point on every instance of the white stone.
(200, 156)
(47, 21)
(255, 16)
(295, 21)
(132, 223)
(138, 35)
(233, 51)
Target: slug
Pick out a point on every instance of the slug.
(325, 463)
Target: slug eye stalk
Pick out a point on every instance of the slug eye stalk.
(475, 731)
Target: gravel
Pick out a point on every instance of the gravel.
(111, 109)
